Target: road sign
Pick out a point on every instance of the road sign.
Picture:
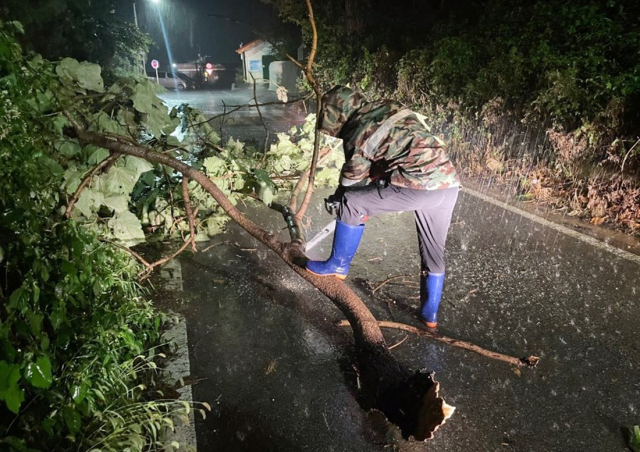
(155, 64)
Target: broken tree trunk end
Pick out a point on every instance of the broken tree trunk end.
(408, 399)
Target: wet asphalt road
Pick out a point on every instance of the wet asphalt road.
(244, 123)
(268, 358)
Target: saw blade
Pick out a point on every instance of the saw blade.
(328, 229)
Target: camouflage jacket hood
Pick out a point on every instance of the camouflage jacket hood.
(405, 151)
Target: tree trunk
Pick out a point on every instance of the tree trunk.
(408, 399)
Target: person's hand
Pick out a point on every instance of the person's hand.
(332, 203)
(337, 195)
(378, 170)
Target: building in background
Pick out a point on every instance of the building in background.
(256, 57)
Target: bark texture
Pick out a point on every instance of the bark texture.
(408, 399)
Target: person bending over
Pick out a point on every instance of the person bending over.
(393, 164)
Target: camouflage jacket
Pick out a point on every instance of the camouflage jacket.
(403, 151)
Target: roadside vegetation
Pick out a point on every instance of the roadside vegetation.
(548, 102)
(80, 343)
(541, 95)
(90, 169)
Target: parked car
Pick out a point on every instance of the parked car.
(168, 80)
(191, 83)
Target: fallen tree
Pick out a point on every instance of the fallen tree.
(105, 140)
(409, 399)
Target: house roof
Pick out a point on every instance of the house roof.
(249, 46)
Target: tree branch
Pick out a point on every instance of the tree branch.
(408, 399)
(190, 214)
(106, 163)
(316, 144)
(531, 361)
(147, 271)
(304, 178)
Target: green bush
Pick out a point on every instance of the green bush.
(77, 337)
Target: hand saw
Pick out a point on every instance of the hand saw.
(328, 229)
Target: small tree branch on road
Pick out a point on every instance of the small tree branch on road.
(391, 279)
(147, 272)
(409, 399)
(531, 361)
(141, 259)
(235, 108)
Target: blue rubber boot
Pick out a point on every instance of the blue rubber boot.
(430, 294)
(345, 244)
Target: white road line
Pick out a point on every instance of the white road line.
(558, 227)
(179, 366)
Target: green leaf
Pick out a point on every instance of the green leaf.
(143, 97)
(104, 123)
(10, 392)
(138, 165)
(120, 179)
(35, 323)
(16, 298)
(45, 342)
(118, 203)
(634, 438)
(39, 373)
(17, 26)
(79, 391)
(214, 165)
(89, 202)
(85, 75)
(96, 155)
(155, 121)
(72, 178)
(126, 227)
(56, 318)
(53, 166)
(72, 419)
(263, 178)
(235, 146)
(60, 122)
(68, 148)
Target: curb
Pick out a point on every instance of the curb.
(179, 366)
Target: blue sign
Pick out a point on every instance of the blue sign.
(255, 65)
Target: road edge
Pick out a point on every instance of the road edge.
(558, 227)
(178, 367)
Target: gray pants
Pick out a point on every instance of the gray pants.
(432, 210)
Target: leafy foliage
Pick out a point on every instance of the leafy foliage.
(547, 87)
(80, 29)
(634, 438)
(77, 336)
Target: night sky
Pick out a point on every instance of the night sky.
(191, 30)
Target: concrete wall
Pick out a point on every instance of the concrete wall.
(283, 73)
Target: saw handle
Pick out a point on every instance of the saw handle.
(331, 206)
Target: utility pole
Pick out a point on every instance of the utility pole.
(135, 21)
(135, 14)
